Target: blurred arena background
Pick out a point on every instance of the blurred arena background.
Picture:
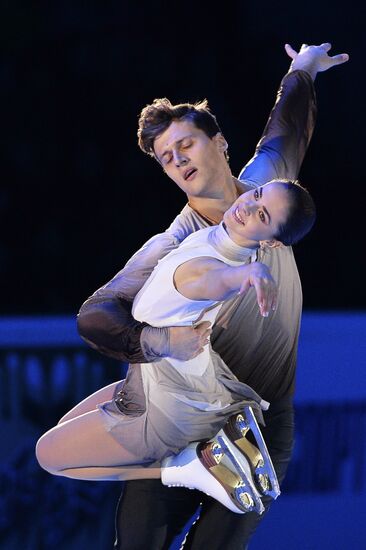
(78, 197)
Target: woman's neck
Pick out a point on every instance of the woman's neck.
(221, 241)
(240, 241)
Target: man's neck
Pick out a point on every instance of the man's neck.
(213, 208)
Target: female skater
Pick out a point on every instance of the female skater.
(149, 426)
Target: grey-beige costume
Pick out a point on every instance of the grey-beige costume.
(264, 354)
(260, 351)
(185, 401)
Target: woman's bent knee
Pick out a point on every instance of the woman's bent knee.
(46, 456)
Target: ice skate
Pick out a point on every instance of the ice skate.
(232, 438)
(208, 468)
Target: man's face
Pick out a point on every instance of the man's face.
(195, 162)
(257, 214)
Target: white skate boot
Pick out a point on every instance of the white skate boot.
(209, 468)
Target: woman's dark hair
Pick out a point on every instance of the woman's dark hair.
(156, 118)
(301, 216)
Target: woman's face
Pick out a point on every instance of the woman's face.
(257, 214)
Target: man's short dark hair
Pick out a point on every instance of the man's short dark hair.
(156, 118)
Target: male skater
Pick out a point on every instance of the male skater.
(259, 348)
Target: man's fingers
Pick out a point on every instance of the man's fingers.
(326, 46)
(188, 342)
(204, 331)
(340, 58)
(205, 338)
(203, 328)
(290, 51)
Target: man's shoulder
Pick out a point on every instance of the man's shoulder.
(188, 221)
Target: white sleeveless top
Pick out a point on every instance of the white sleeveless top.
(160, 304)
(185, 400)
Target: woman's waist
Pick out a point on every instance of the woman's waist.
(163, 373)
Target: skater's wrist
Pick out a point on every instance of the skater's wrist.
(154, 343)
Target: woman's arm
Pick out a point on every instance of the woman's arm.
(211, 279)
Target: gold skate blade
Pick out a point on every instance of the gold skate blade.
(236, 487)
(231, 483)
(251, 452)
(260, 464)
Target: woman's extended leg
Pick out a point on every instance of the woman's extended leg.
(90, 402)
(81, 448)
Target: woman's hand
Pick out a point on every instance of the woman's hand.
(257, 275)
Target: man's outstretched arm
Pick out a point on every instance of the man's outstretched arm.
(281, 150)
(105, 321)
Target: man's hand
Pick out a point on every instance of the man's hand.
(314, 59)
(187, 342)
(259, 276)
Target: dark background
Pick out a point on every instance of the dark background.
(78, 197)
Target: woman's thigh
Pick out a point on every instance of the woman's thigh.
(81, 442)
(90, 403)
